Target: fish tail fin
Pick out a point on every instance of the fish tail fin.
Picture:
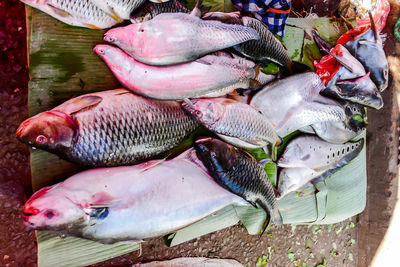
(373, 26)
(321, 43)
(260, 78)
(273, 216)
(199, 9)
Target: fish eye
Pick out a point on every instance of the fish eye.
(102, 51)
(41, 139)
(49, 214)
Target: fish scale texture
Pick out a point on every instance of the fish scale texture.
(129, 131)
(266, 49)
(246, 124)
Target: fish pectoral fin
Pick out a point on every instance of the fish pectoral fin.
(81, 103)
(91, 26)
(114, 15)
(60, 11)
(203, 61)
(151, 164)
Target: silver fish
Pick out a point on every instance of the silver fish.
(172, 38)
(149, 10)
(209, 76)
(341, 132)
(129, 203)
(240, 173)
(83, 13)
(295, 102)
(109, 128)
(308, 157)
(237, 123)
(120, 10)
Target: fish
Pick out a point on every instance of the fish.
(239, 173)
(127, 203)
(120, 10)
(191, 261)
(295, 102)
(308, 158)
(173, 38)
(149, 10)
(368, 49)
(236, 123)
(109, 128)
(342, 132)
(265, 50)
(83, 13)
(351, 82)
(209, 76)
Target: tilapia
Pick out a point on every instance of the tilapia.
(193, 262)
(241, 174)
(236, 123)
(150, 9)
(351, 82)
(264, 50)
(120, 10)
(172, 38)
(368, 49)
(82, 13)
(131, 202)
(109, 128)
(209, 76)
(294, 102)
(308, 158)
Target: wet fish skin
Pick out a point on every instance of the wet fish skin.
(310, 159)
(236, 123)
(119, 9)
(172, 38)
(264, 50)
(369, 51)
(209, 76)
(126, 203)
(85, 14)
(295, 102)
(109, 128)
(238, 172)
(150, 9)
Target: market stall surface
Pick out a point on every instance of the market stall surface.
(350, 243)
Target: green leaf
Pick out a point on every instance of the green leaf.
(296, 262)
(323, 264)
(270, 235)
(304, 264)
(308, 243)
(312, 255)
(358, 117)
(270, 250)
(271, 68)
(351, 256)
(334, 245)
(329, 228)
(352, 225)
(261, 261)
(290, 253)
(334, 253)
(317, 229)
(352, 242)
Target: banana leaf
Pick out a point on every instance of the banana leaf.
(62, 66)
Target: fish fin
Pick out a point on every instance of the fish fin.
(264, 162)
(203, 61)
(101, 200)
(342, 62)
(151, 164)
(255, 84)
(121, 91)
(321, 43)
(114, 15)
(60, 11)
(373, 26)
(91, 26)
(347, 22)
(197, 9)
(78, 104)
(189, 103)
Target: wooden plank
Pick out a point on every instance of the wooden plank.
(62, 65)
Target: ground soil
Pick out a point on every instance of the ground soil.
(350, 243)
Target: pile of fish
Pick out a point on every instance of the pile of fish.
(182, 71)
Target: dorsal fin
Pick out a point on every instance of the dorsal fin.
(77, 104)
(199, 9)
(373, 26)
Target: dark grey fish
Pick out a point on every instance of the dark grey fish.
(109, 128)
(368, 49)
(265, 50)
(240, 173)
(150, 9)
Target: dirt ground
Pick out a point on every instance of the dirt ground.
(350, 243)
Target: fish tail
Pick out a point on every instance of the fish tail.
(199, 9)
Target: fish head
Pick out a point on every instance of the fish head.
(360, 90)
(207, 110)
(128, 38)
(116, 59)
(286, 183)
(50, 209)
(49, 130)
(356, 118)
(216, 155)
